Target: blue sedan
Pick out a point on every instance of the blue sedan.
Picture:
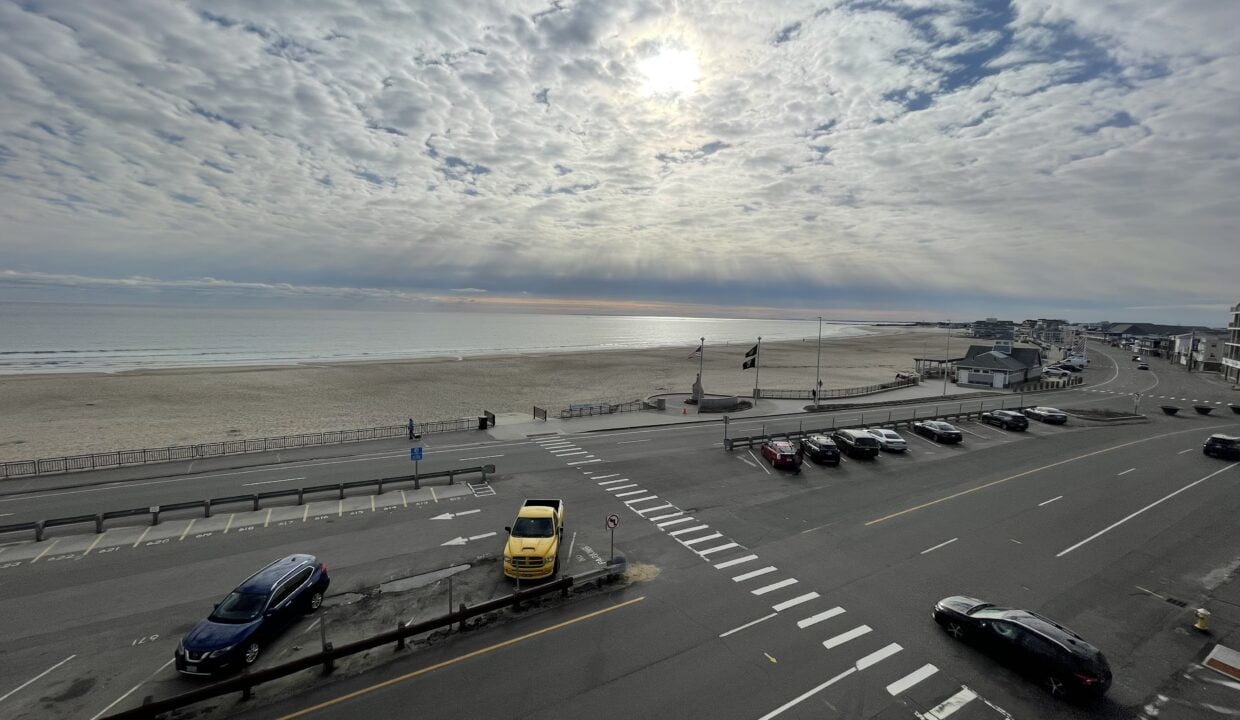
(233, 636)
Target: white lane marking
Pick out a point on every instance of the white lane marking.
(936, 547)
(951, 704)
(132, 689)
(313, 625)
(735, 561)
(704, 538)
(846, 636)
(1048, 502)
(815, 619)
(36, 677)
(911, 679)
(585, 462)
(718, 548)
(622, 487)
(559, 445)
(1125, 472)
(677, 521)
(656, 507)
(571, 543)
(780, 607)
(96, 542)
(48, 549)
(269, 482)
(630, 442)
(747, 625)
(604, 477)
(640, 499)
(808, 694)
(965, 429)
(695, 528)
(657, 518)
(183, 532)
(1184, 451)
(878, 656)
(631, 492)
(570, 453)
(759, 462)
(774, 586)
(449, 516)
(754, 573)
(750, 464)
(480, 457)
(613, 482)
(1116, 524)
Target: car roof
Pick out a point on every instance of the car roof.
(264, 580)
(1052, 630)
(820, 439)
(1221, 436)
(1043, 408)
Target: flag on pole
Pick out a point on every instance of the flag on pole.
(696, 353)
(753, 358)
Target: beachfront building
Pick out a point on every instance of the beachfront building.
(1048, 331)
(1199, 351)
(1231, 355)
(993, 328)
(1000, 365)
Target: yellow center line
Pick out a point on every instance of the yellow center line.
(142, 536)
(230, 519)
(1023, 474)
(434, 496)
(268, 520)
(305, 513)
(453, 661)
(186, 530)
(45, 551)
(404, 500)
(92, 545)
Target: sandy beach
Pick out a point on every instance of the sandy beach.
(66, 414)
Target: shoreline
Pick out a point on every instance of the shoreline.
(56, 414)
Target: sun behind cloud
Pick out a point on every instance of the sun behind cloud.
(671, 71)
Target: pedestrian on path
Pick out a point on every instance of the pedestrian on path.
(411, 428)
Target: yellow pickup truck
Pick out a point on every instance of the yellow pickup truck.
(533, 547)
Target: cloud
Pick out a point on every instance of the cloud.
(896, 152)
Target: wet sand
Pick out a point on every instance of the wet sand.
(53, 415)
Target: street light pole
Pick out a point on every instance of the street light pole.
(702, 360)
(818, 367)
(947, 356)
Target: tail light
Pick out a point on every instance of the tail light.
(323, 568)
(1086, 680)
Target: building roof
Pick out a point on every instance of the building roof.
(1022, 357)
(993, 360)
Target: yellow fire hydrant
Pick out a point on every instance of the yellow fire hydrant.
(1203, 619)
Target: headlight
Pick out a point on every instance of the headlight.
(222, 651)
(548, 560)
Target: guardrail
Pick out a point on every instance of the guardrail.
(254, 499)
(772, 394)
(588, 409)
(246, 682)
(121, 458)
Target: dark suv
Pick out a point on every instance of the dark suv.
(252, 615)
(821, 449)
(1006, 419)
(857, 443)
(1059, 659)
(1222, 446)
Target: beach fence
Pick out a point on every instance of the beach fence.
(578, 410)
(124, 458)
(836, 393)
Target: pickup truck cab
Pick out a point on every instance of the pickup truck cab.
(533, 548)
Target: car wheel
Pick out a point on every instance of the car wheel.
(955, 629)
(1055, 686)
(316, 601)
(251, 653)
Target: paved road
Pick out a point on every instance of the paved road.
(1081, 522)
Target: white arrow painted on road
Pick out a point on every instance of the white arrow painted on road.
(449, 516)
(462, 540)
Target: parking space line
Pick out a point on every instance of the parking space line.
(695, 528)
(704, 538)
(846, 636)
(1048, 502)
(267, 520)
(677, 521)
(984, 437)
(780, 607)
(759, 463)
(925, 440)
(936, 547)
(808, 694)
(718, 548)
(131, 690)
(191, 524)
(754, 573)
(774, 586)
(142, 537)
(96, 542)
(815, 619)
(226, 527)
(1125, 472)
(1185, 451)
(735, 561)
(911, 679)
(403, 501)
(748, 625)
(36, 677)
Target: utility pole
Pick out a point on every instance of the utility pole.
(818, 367)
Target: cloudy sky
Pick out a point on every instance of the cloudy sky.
(873, 158)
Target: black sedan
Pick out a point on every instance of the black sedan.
(1222, 446)
(821, 449)
(1048, 415)
(1006, 419)
(938, 431)
(1059, 659)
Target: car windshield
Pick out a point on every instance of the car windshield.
(239, 607)
(533, 528)
(990, 612)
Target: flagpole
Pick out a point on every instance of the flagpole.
(702, 360)
(757, 366)
(818, 367)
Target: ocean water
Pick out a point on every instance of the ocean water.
(51, 337)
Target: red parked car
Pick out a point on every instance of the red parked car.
(782, 454)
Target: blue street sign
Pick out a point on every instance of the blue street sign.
(415, 454)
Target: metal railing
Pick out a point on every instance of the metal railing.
(253, 499)
(588, 409)
(122, 458)
(836, 393)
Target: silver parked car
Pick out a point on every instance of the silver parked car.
(890, 440)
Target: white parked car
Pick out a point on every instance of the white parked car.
(890, 440)
(1055, 372)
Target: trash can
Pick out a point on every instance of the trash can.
(482, 422)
